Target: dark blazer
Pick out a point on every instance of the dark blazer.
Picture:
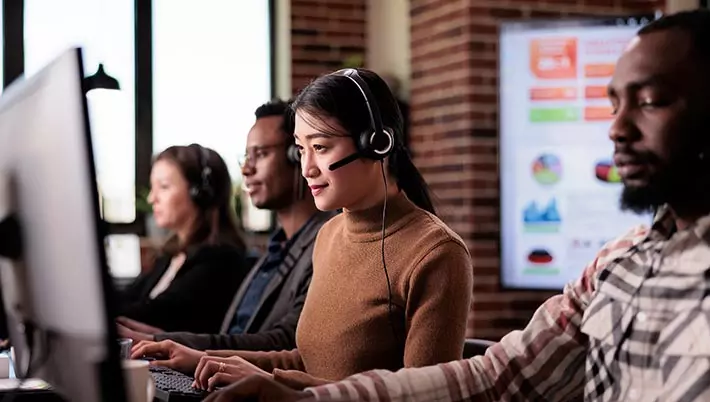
(197, 298)
(273, 325)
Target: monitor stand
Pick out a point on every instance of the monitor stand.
(41, 353)
(29, 390)
(10, 235)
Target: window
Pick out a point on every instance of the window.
(123, 252)
(211, 69)
(105, 31)
(2, 40)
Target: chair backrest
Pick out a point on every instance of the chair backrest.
(475, 347)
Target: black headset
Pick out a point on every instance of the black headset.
(201, 192)
(378, 141)
(292, 154)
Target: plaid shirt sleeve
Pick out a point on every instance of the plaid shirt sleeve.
(543, 361)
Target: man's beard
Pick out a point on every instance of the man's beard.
(278, 202)
(671, 183)
(642, 200)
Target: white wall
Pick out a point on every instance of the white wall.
(283, 49)
(673, 6)
(388, 40)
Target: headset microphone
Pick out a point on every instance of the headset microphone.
(344, 161)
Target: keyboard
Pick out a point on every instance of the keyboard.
(174, 386)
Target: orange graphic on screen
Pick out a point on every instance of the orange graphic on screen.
(554, 58)
(595, 92)
(598, 113)
(542, 94)
(605, 70)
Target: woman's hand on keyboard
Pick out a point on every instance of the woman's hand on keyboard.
(213, 371)
(258, 388)
(168, 354)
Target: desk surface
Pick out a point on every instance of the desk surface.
(30, 390)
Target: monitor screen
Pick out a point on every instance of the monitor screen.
(55, 280)
(559, 188)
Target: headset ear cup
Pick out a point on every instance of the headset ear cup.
(201, 192)
(387, 145)
(378, 145)
(196, 196)
(207, 197)
(293, 155)
(364, 144)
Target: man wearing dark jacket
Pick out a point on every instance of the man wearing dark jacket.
(266, 308)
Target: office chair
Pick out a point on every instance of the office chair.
(475, 347)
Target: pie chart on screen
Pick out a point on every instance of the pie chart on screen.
(547, 169)
(540, 256)
(607, 172)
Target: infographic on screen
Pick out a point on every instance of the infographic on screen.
(559, 187)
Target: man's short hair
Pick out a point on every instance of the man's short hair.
(278, 107)
(696, 23)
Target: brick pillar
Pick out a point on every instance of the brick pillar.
(454, 132)
(325, 35)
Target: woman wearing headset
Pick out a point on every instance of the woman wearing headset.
(192, 284)
(391, 282)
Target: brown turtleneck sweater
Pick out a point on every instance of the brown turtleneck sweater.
(345, 328)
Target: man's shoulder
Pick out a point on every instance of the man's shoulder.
(314, 226)
(623, 243)
(612, 251)
(322, 218)
(586, 285)
(306, 241)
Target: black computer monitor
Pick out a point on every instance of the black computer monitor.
(55, 280)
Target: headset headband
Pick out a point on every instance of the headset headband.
(372, 109)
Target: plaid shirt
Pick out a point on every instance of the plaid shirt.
(635, 326)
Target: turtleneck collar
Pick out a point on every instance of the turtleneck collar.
(366, 225)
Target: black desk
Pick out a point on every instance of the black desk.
(32, 395)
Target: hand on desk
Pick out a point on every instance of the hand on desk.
(214, 371)
(168, 354)
(138, 326)
(124, 332)
(258, 388)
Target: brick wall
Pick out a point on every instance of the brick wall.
(453, 111)
(325, 35)
(454, 129)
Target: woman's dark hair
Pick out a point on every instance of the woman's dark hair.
(337, 97)
(216, 222)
